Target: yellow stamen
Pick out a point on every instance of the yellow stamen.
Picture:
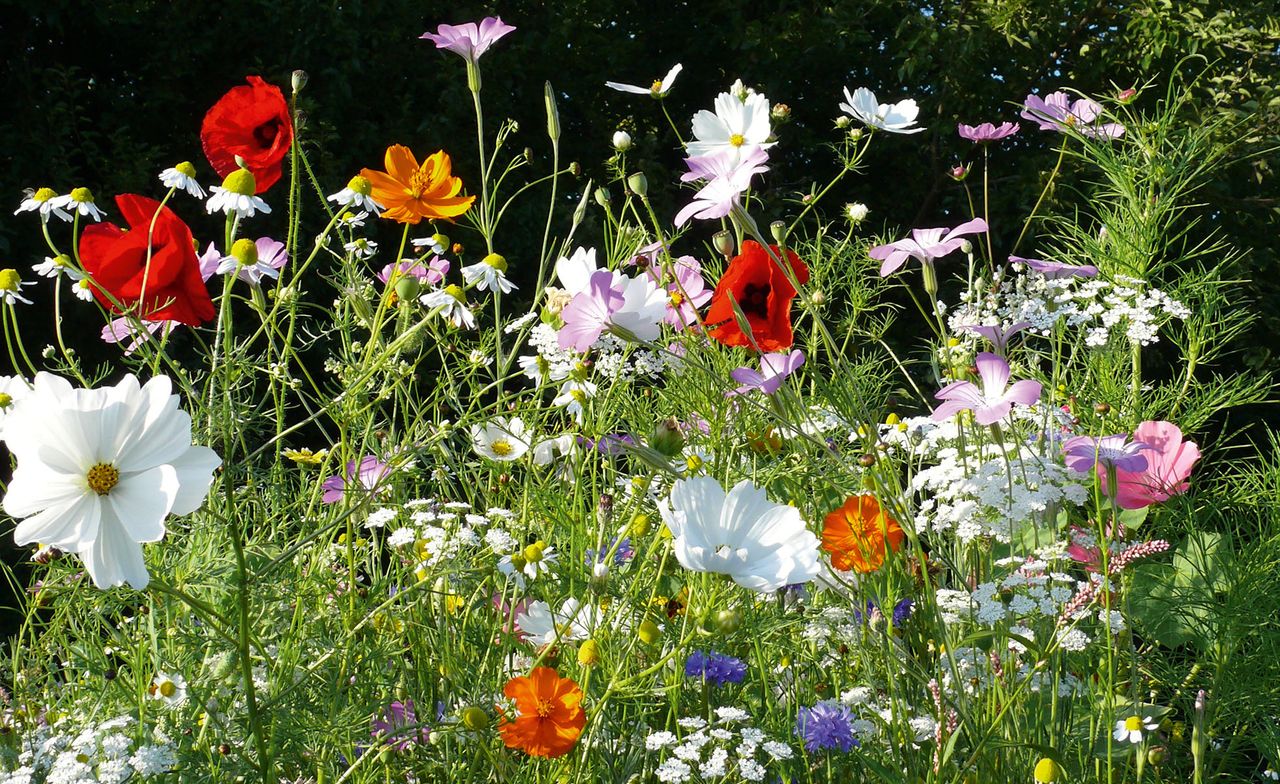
(102, 477)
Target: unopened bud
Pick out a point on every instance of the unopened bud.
(728, 621)
(639, 184)
(723, 241)
(602, 197)
(649, 633)
(667, 437)
(575, 169)
(1101, 408)
(780, 113)
(475, 719)
(621, 141)
(298, 80)
(553, 114)
(407, 288)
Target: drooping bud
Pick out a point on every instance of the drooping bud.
(723, 241)
(602, 197)
(667, 437)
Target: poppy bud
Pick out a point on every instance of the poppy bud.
(407, 288)
(779, 231)
(602, 197)
(298, 80)
(638, 184)
(724, 243)
(728, 621)
(667, 437)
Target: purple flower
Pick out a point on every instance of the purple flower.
(686, 293)
(1082, 453)
(987, 133)
(1056, 269)
(609, 445)
(365, 475)
(827, 725)
(623, 554)
(432, 272)
(774, 368)
(716, 669)
(902, 611)
(992, 401)
(469, 40)
(399, 727)
(997, 336)
(726, 179)
(1058, 112)
(587, 315)
(925, 245)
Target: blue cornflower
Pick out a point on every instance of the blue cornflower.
(716, 669)
(624, 553)
(902, 611)
(827, 725)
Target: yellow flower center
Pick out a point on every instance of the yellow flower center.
(737, 140)
(579, 396)
(61, 260)
(502, 447)
(475, 719)
(518, 561)
(44, 194)
(455, 291)
(676, 299)
(186, 169)
(102, 477)
(1133, 724)
(533, 553)
(497, 261)
(419, 183)
(9, 280)
(442, 240)
(693, 462)
(360, 185)
(82, 195)
(168, 689)
(5, 399)
(240, 181)
(544, 708)
(245, 252)
(656, 87)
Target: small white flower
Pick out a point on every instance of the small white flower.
(356, 194)
(856, 212)
(361, 248)
(738, 125)
(82, 290)
(574, 621)
(503, 440)
(350, 220)
(182, 177)
(452, 303)
(402, 537)
(895, 118)
(79, 200)
(489, 274)
(53, 266)
(379, 518)
(574, 396)
(244, 205)
(172, 689)
(42, 201)
(11, 285)
(1131, 729)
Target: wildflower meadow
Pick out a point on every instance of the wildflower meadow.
(381, 485)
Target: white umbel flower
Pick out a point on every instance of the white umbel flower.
(502, 439)
(759, 544)
(99, 470)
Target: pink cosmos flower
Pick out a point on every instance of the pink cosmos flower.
(399, 727)
(587, 315)
(1083, 453)
(1058, 112)
(774, 368)
(925, 245)
(687, 293)
(1169, 463)
(991, 402)
(987, 133)
(469, 40)
(365, 476)
(432, 272)
(726, 179)
(1057, 269)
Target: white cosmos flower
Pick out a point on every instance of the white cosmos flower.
(761, 545)
(574, 621)
(658, 89)
(644, 307)
(737, 125)
(99, 470)
(574, 272)
(502, 439)
(895, 118)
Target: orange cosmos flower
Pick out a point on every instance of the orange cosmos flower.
(549, 716)
(410, 192)
(859, 535)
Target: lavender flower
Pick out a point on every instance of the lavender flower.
(364, 475)
(432, 272)
(997, 336)
(1058, 112)
(469, 40)
(925, 245)
(827, 725)
(987, 133)
(624, 553)
(1082, 453)
(726, 178)
(993, 400)
(398, 727)
(716, 669)
(774, 369)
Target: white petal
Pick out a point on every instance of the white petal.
(68, 525)
(141, 502)
(195, 474)
(114, 558)
(35, 487)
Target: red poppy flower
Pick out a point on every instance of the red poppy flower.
(764, 295)
(117, 263)
(252, 122)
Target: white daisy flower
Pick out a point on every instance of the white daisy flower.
(489, 274)
(79, 200)
(574, 396)
(236, 195)
(452, 302)
(350, 220)
(11, 285)
(183, 178)
(361, 248)
(1131, 729)
(82, 290)
(894, 118)
(502, 439)
(436, 243)
(737, 125)
(170, 688)
(251, 261)
(42, 200)
(574, 621)
(99, 470)
(357, 194)
(53, 266)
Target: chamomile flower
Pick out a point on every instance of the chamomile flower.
(352, 220)
(172, 689)
(452, 302)
(534, 560)
(574, 396)
(83, 290)
(11, 284)
(53, 266)
(236, 195)
(80, 200)
(361, 248)
(489, 274)
(182, 177)
(503, 440)
(252, 261)
(1131, 729)
(42, 200)
(357, 194)
(436, 243)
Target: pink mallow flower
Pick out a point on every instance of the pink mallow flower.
(1169, 463)
(469, 40)
(925, 245)
(587, 315)
(1057, 112)
(991, 402)
(774, 368)
(726, 179)
(987, 133)
(1083, 453)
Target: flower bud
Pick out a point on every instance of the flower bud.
(843, 121)
(602, 197)
(855, 135)
(638, 184)
(780, 113)
(553, 114)
(667, 437)
(1101, 408)
(958, 172)
(621, 141)
(1048, 771)
(407, 287)
(1127, 96)
(589, 653)
(1156, 755)
(575, 169)
(723, 241)
(856, 212)
(475, 719)
(649, 632)
(728, 621)
(298, 80)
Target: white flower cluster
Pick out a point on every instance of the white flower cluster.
(440, 531)
(1101, 308)
(1030, 592)
(706, 751)
(102, 754)
(614, 358)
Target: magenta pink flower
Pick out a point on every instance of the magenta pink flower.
(1058, 112)
(588, 314)
(1057, 269)
(1169, 463)
(774, 369)
(726, 179)
(987, 133)
(686, 293)
(1083, 453)
(925, 245)
(469, 40)
(432, 272)
(366, 476)
(991, 402)
(399, 727)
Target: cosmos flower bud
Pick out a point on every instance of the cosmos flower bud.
(621, 141)
(475, 719)
(958, 172)
(728, 621)
(589, 653)
(639, 184)
(856, 212)
(780, 113)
